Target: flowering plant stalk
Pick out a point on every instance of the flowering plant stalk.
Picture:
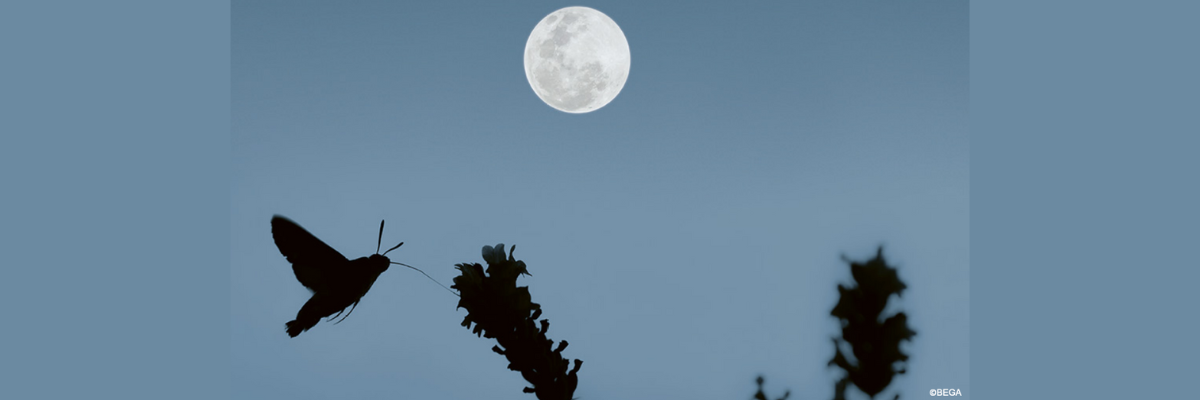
(501, 310)
(875, 342)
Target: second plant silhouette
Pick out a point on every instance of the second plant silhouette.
(875, 343)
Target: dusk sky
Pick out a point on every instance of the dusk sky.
(684, 238)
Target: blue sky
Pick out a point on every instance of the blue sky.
(684, 238)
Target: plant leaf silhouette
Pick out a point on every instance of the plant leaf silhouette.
(760, 395)
(500, 310)
(875, 344)
(335, 281)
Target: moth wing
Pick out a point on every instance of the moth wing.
(312, 260)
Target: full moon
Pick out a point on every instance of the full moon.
(577, 59)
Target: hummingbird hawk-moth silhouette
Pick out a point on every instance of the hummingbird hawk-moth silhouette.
(335, 281)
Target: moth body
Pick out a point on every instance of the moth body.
(336, 283)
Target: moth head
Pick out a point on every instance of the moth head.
(381, 260)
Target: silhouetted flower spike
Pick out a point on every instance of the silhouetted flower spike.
(501, 310)
(876, 345)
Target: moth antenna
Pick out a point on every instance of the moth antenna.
(397, 246)
(380, 241)
(347, 314)
(427, 276)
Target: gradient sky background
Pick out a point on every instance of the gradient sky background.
(684, 238)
